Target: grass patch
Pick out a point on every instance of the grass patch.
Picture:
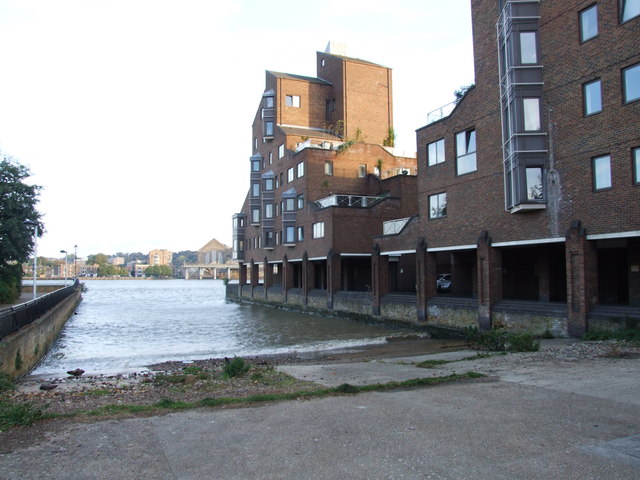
(6, 382)
(497, 339)
(235, 368)
(172, 379)
(432, 363)
(629, 334)
(21, 414)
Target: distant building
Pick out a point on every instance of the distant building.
(160, 257)
(214, 252)
(139, 269)
(116, 261)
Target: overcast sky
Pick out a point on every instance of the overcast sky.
(135, 115)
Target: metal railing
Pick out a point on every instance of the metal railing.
(14, 318)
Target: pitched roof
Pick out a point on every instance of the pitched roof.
(299, 77)
(213, 245)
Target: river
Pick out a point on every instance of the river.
(124, 325)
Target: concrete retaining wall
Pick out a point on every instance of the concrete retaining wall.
(21, 351)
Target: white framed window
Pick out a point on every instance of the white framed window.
(255, 189)
(531, 112)
(292, 101)
(289, 205)
(602, 173)
(300, 168)
(328, 167)
(589, 23)
(466, 152)
(300, 201)
(268, 210)
(635, 160)
(277, 238)
(268, 128)
(592, 93)
(318, 230)
(300, 234)
(435, 152)
(534, 183)
(255, 165)
(268, 184)
(629, 9)
(362, 171)
(290, 176)
(631, 83)
(289, 234)
(438, 205)
(281, 150)
(528, 48)
(255, 215)
(270, 158)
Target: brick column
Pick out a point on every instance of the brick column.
(307, 277)
(287, 277)
(489, 279)
(255, 274)
(268, 276)
(425, 279)
(242, 277)
(582, 278)
(379, 277)
(333, 276)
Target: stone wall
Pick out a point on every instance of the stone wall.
(21, 351)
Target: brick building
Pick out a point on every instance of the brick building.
(160, 257)
(529, 191)
(324, 177)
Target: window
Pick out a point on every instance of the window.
(328, 167)
(268, 210)
(268, 184)
(289, 235)
(255, 165)
(635, 155)
(531, 111)
(300, 234)
(602, 172)
(438, 205)
(528, 49)
(255, 189)
(631, 83)
(534, 183)
(362, 171)
(629, 9)
(466, 152)
(281, 151)
(435, 152)
(300, 169)
(268, 102)
(290, 176)
(589, 23)
(255, 215)
(270, 158)
(300, 201)
(268, 129)
(292, 101)
(318, 230)
(592, 97)
(289, 205)
(277, 181)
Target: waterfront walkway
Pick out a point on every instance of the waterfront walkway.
(566, 418)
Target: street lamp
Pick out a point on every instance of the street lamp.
(75, 262)
(31, 223)
(65, 266)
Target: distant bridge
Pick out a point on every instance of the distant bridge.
(211, 270)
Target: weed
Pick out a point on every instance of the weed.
(23, 414)
(172, 404)
(235, 368)
(431, 363)
(192, 370)
(497, 339)
(171, 379)
(630, 334)
(6, 382)
(346, 388)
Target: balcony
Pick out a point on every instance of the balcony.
(393, 227)
(350, 201)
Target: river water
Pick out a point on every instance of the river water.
(123, 325)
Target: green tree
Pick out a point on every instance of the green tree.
(97, 258)
(17, 205)
(161, 271)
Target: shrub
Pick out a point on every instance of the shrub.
(497, 339)
(235, 368)
(23, 414)
(631, 334)
(6, 383)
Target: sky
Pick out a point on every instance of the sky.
(135, 115)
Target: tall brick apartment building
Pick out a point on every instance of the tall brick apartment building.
(529, 191)
(323, 179)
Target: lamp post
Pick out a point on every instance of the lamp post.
(65, 266)
(31, 223)
(75, 262)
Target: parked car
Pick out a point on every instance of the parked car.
(443, 283)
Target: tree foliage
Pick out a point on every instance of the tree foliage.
(18, 202)
(161, 271)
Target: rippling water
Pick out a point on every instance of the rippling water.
(126, 324)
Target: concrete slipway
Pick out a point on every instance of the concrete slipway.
(536, 418)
